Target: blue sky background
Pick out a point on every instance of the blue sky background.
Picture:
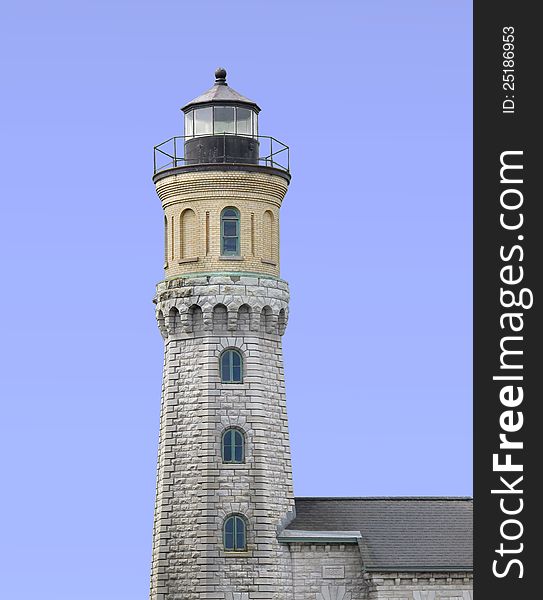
(374, 98)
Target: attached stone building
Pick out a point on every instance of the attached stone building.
(227, 525)
(381, 548)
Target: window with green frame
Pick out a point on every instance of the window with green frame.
(233, 446)
(231, 366)
(235, 534)
(230, 232)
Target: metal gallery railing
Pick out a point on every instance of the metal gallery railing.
(271, 153)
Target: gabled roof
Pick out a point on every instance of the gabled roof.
(397, 533)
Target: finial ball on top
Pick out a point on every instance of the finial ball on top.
(220, 75)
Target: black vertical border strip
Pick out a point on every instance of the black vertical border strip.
(495, 133)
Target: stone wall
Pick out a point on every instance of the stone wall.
(420, 586)
(199, 318)
(327, 572)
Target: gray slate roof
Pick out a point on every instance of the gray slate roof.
(412, 533)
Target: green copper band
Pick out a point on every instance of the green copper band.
(221, 274)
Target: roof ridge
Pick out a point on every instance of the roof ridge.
(416, 498)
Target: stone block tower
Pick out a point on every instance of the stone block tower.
(224, 484)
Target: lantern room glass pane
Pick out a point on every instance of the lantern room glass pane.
(203, 121)
(255, 123)
(189, 124)
(244, 121)
(224, 119)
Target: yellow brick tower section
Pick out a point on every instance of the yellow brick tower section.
(193, 202)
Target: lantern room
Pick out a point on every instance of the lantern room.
(221, 125)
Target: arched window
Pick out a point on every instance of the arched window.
(231, 363)
(235, 534)
(233, 446)
(230, 232)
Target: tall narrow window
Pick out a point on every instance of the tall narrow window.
(233, 446)
(230, 232)
(235, 534)
(231, 364)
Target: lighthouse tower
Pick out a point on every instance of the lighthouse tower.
(224, 484)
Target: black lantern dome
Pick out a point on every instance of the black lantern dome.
(221, 125)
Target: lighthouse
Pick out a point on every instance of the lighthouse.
(227, 526)
(224, 483)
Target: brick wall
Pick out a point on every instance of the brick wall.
(197, 248)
